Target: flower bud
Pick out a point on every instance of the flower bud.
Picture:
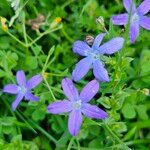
(100, 21)
(40, 18)
(3, 23)
(56, 21)
(146, 91)
(89, 40)
(45, 75)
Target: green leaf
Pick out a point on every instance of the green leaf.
(58, 124)
(7, 129)
(105, 102)
(119, 127)
(130, 134)
(7, 121)
(7, 125)
(17, 142)
(128, 111)
(96, 143)
(1, 143)
(39, 114)
(36, 49)
(141, 110)
(4, 42)
(144, 64)
(8, 60)
(31, 63)
(2, 73)
(96, 130)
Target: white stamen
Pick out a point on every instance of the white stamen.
(76, 104)
(94, 55)
(22, 89)
(135, 17)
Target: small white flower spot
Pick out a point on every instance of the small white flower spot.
(135, 17)
(23, 89)
(77, 104)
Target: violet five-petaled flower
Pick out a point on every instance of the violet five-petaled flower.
(137, 18)
(77, 104)
(93, 57)
(23, 89)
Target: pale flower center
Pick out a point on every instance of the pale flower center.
(94, 55)
(135, 17)
(22, 89)
(76, 104)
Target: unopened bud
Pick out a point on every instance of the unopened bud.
(89, 40)
(3, 23)
(45, 75)
(56, 21)
(41, 18)
(100, 21)
(146, 91)
(35, 26)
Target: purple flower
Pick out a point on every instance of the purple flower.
(77, 104)
(137, 17)
(23, 89)
(93, 57)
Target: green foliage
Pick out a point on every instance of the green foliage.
(144, 64)
(46, 47)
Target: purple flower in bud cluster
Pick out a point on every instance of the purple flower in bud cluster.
(137, 17)
(93, 56)
(23, 88)
(77, 104)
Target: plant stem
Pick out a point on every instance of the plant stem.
(67, 36)
(22, 118)
(78, 144)
(115, 136)
(70, 143)
(48, 86)
(16, 39)
(51, 138)
(44, 33)
(13, 114)
(24, 31)
(117, 146)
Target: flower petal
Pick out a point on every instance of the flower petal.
(100, 72)
(89, 91)
(134, 31)
(144, 7)
(69, 89)
(16, 102)
(74, 122)
(30, 96)
(34, 81)
(59, 107)
(81, 69)
(129, 5)
(98, 39)
(81, 48)
(121, 19)
(92, 111)
(145, 22)
(11, 88)
(21, 78)
(112, 46)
